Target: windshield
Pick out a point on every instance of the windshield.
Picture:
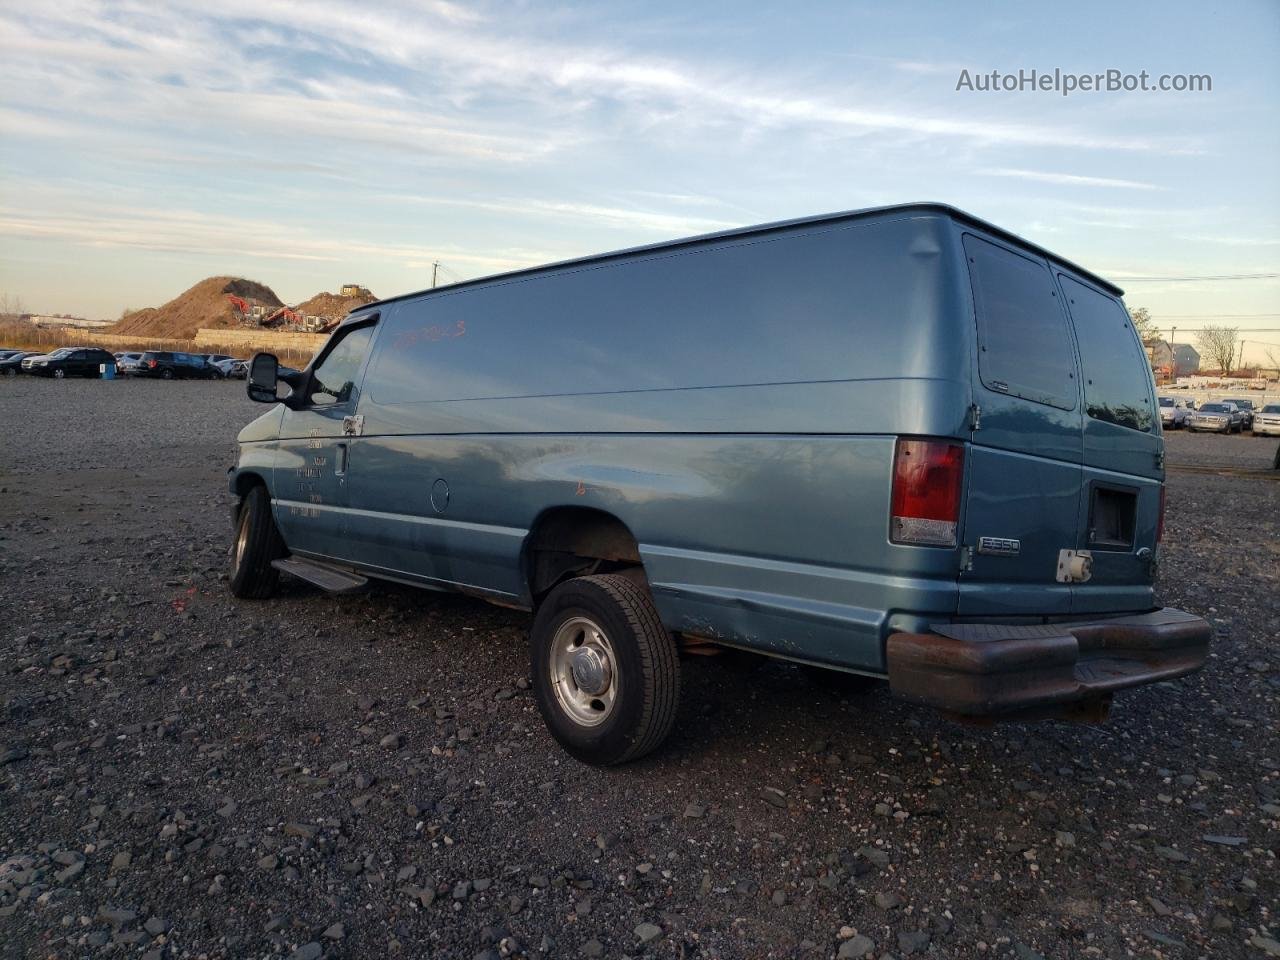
(61, 352)
(1166, 401)
(1271, 408)
(1213, 408)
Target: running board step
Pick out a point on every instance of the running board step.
(327, 578)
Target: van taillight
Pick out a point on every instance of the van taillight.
(1160, 521)
(927, 478)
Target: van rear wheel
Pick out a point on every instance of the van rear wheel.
(605, 671)
(256, 544)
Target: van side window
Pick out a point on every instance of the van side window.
(333, 381)
(1023, 346)
(1117, 375)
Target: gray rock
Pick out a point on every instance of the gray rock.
(888, 901)
(648, 932)
(592, 948)
(335, 932)
(392, 741)
(117, 918)
(308, 951)
(856, 947)
(12, 754)
(1162, 938)
(156, 926)
(774, 797)
(913, 941)
(70, 873)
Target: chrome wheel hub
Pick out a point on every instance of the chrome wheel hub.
(582, 669)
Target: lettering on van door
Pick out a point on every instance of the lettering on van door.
(430, 334)
(312, 469)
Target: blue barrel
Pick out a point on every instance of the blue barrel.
(108, 371)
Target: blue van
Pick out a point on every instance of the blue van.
(900, 443)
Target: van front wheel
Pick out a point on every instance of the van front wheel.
(605, 670)
(257, 543)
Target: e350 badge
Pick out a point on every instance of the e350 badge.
(999, 547)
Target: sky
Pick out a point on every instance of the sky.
(147, 145)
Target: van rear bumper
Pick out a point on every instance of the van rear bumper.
(983, 670)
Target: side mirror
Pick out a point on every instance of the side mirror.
(264, 372)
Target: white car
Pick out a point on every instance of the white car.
(231, 367)
(1266, 422)
(1173, 412)
(128, 363)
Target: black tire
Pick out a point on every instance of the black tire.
(838, 681)
(166, 374)
(257, 542)
(644, 669)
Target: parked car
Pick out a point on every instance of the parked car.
(783, 439)
(231, 367)
(1219, 417)
(1266, 422)
(216, 360)
(165, 365)
(127, 363)
(1173, 412)
(11, 363)
(68, 362)
(1246, 411)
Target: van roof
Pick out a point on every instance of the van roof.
(943, 209)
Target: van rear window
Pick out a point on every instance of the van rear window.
(1023, 346)
(1117, 375)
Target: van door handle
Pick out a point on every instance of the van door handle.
(340, 467)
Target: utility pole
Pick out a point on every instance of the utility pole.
(435, 268)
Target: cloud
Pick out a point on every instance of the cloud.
(190, 231)
(1070, 179)
(461, 59)
(1232, 241)
(620, 217)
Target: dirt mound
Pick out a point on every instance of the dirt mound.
(207, 304)
(333, 306)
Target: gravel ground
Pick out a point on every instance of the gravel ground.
(185, 775)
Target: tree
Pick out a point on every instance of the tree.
(1273, 358)
(1219, 345)
(1143, 323)
(11, 306)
